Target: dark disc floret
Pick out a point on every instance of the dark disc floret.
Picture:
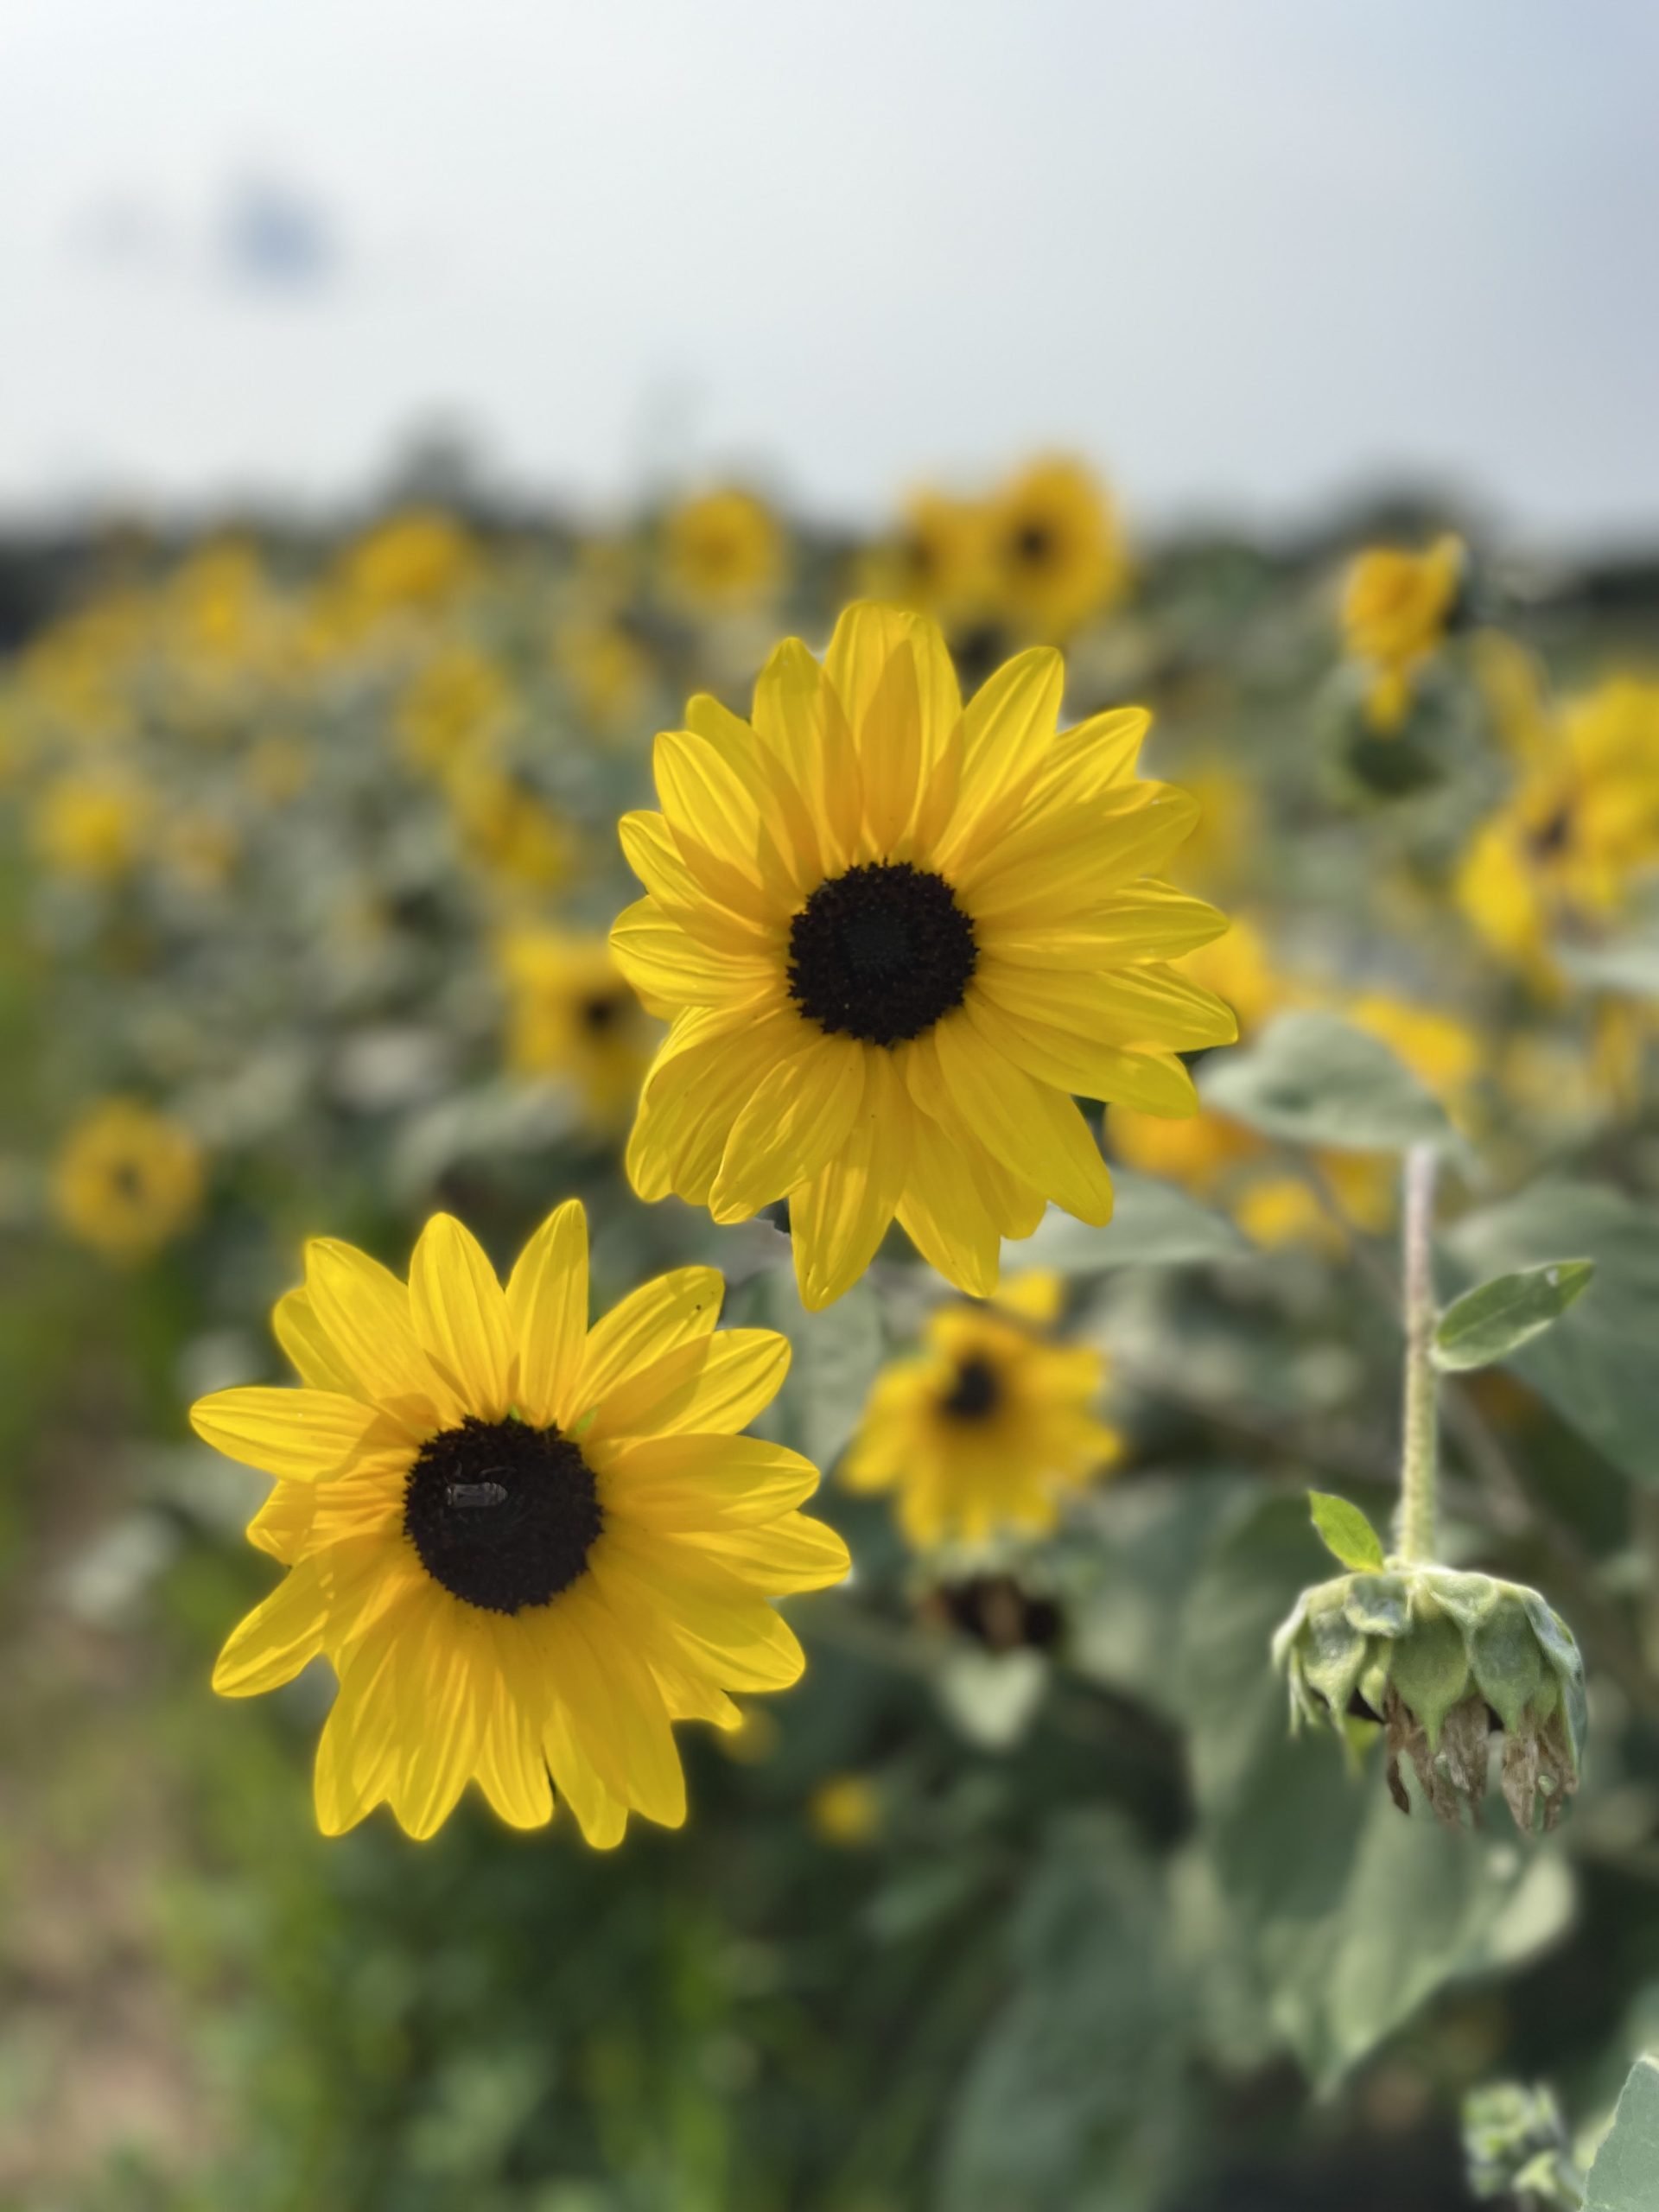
(502, 1515)
(975, 1393)
(880, 953)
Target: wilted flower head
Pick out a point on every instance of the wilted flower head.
(1442, 1660)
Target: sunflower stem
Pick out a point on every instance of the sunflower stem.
(1414, 1528)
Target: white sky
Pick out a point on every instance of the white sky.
(1246, 253)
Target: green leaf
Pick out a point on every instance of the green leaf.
(1348, 1918)
(836, 1354)
(1596, 1366)
(1487, 1325)
(1312, 1079)
(1625, 2175)
(1153, 1225)
(1344, 1531)
(1075, 2095)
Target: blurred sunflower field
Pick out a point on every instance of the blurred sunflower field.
(654, 1857)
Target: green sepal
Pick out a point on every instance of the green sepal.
(1430, 1666)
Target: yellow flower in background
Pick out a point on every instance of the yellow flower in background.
(91, 826)
(607, 671)
(413, 563)
(507, 831)
(845, 1810)
(1559, 858)
(724, 550)
(572, 1013)
(127, 1179)
(1395, 608)
(523, 1544)
(989, 1426)
(1054, 549)
(894, 937)
(935, 563)
(459, 703)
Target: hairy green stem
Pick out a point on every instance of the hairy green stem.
(1419, 1467)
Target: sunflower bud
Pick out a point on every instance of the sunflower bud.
(1441, 1661)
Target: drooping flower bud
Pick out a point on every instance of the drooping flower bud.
(1444, 1662)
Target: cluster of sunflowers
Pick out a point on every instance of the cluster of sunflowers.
(318, 861)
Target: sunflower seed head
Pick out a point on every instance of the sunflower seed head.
(1444, 1663)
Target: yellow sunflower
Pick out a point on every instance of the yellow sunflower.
(521, 1543)
(936, 562)
(989, 1426)
(893, 936)
(127, 1179)
(572, 1013)
(91, 827)
(724, 550)
(1054, 549)
(1395, 606)
(456, 705)
(1560, 857)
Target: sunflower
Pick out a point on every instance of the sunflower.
(935, 564)
(572, 1013)
(893, 938)
(455, 706)
(724, 550)
(91, 827)
(1054, 549)
(987, 1428)
(521, 1543)
(1395, 609)
(506, 829)
(127, 1179)
(1559, 858)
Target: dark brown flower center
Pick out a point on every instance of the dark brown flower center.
(504, 1516)
(976, 1392)
(880, 953)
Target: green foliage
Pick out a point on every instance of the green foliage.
(1516, 2144)
(1596, 1366)
(1312, 1079)
(1488, 1325)
(1153, 1225)
(1344, 1531)
(1625, 2176)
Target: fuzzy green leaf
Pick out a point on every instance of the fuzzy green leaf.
(1344, 1531)
(1312, 1079)
(1487, 1325)
(1625, 2175)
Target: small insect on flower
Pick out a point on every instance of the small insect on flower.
(893, 936)
(989, 1428)
(523, 1544)
(127, 1179)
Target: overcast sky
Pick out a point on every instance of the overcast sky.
(1245, 253)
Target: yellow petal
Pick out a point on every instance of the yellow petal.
(859, 651)
(1097, 755)
(283, 1521)
(1046, 870)
(365, 1310)
(301, 1434)
(512, 1770)
(1153, 1082)
(693, 1096)
(708, 804)
(673, 1309)
(889, 735)
(793, 1554)
(798, 1117)
(302, 1337)
(460, 1316)
(615, 1710)
(359, 1742)
(277, 1638)
(798, 713)
(777, 793)
(1034, 1130)
(704, 1482)
(668, 968)
(839, 1218)
(1152, 921)
(444, 1680)
(1150, 1004)
(710, 1388)
(602, 1818)
(1008, 730)
(945, 1215)
(547, 1308)
(717, 1619)
(651, 852)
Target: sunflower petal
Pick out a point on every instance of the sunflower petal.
(547, 1311)
(799, 713)
(1152, 1082)
(798, 1117)
(705, 1482)
(366, 1311)
(277, 1638)
(460, 1316)
(945, 1216)
(789, 1554)
(711, 1387)
(305, 1340)
(301, 1435)
(673, 1309)
(668, 968)
(839, 1218)
(1033, 1130)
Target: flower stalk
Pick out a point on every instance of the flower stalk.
(1414, 1529)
